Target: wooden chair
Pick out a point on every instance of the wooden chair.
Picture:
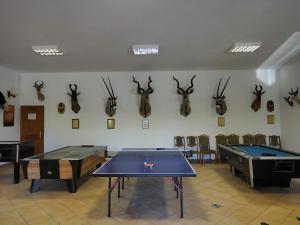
(179, 142)
(274, 141)
(248, 139)
(192, 142)
(204, 147)
(260, 139)
(221, 139)
(233, 139)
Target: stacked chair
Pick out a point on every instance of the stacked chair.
(204, 147)
(192, 143)
(274, 141)
(260, 139)
(248, 139)
(221, 139)
(233, 139)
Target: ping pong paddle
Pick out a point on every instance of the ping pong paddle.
(150, 165)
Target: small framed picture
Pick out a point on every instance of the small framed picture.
(270, 119)
(75, 123)
(111, 124)
(221, 121)
(145, 124)
(9, 116)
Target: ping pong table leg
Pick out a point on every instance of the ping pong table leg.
(181, 197)
(16, 172)
(109, 197)
(123, 183)
(175, 180)
(119, 187)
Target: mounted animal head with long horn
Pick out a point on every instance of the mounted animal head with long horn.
(289, 101)
(38, 86)
(111, 104)
(294, 95)
(74, 101)
(3, 103)
(221, 106)
(185, 108)
(145, 108)
(256, 104)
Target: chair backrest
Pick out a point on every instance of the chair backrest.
(191, 141)
(179, 141)
(275, 141)
(203, 141)
(233, 139)
(260, 139)
(221, 139)
(248, 139)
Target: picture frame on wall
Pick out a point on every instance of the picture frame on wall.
(110, 124)
(270, 119)
(75, 123)
(9, 116)
(221, 121)
(145, 124)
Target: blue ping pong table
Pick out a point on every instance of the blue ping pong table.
(163, 163)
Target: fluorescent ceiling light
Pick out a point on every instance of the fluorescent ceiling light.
(245, 47)
(48, 50)
(145, 49)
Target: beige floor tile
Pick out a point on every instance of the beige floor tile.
(151, 202)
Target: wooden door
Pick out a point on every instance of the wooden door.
(32, 126)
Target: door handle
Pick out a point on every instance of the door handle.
(40, 134)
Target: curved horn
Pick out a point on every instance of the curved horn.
(112, 90)
(149, 82)
(35, 84)
(139, 86)
(219, 88)
(192, 85)
(225, 86)
(178, 87)
(106, 87)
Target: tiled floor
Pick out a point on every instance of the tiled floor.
(150, 201)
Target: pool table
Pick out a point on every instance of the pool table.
(68, 163)
(262, 165)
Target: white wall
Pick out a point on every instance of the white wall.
(10, 79)
(290, 123)
(165, 120)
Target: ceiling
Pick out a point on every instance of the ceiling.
(98, 34)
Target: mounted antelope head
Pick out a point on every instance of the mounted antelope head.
(39, 85)
(257, 101)
(221, 106)
(145, 108)
(111, 104)
(74, 100)
(294, 96)
(289, 101)
(3, 103)
(185, 108)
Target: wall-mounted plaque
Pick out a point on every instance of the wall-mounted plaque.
(145, 124)
(221, 121)
(9, 116)
(110, 123)
(75, 123)
(270, 119)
